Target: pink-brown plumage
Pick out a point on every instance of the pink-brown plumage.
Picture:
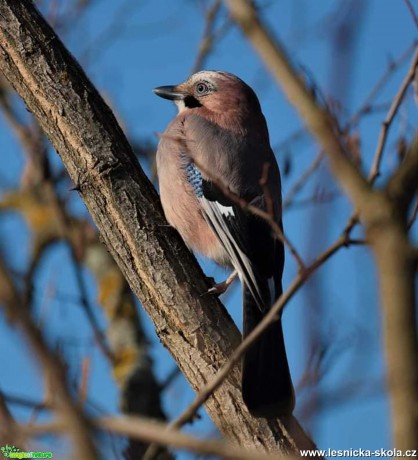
(220, 136)
(181, 206)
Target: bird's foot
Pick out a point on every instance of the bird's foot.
(220, 288)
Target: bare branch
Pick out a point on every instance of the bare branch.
(403, 185)
(77, 424)
(301, 182)
(37, 172)
(366, 106)
(9, 429)
(374, 173)
(318, 120)
(208, 39)
(412, 11)
(152, 431)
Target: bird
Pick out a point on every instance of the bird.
(210, 160)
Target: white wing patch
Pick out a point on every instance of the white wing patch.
(239, 260)
(226, 210)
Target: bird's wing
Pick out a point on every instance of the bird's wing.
(247, 239)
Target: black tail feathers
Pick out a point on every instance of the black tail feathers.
(267, 387)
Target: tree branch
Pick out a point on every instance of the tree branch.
(390, 116)
(152, 431)
(382, 214)
(16, 311)
(317, 119)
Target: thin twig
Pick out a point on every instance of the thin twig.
(169, 379)
(152, 431)
(374, 169)
(208, 38)
(412, 11)
(77, 423)
(296, 135)
(300, 183)
(84, 380)
(374, 173)
(32, 146)
(9, 430)
(27, 403)
(366, 106)
(316, 198)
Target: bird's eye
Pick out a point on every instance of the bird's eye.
(202, 88)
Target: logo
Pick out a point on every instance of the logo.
(15, 452)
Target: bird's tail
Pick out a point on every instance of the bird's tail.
(267, 387)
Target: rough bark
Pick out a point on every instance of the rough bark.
(125, 207)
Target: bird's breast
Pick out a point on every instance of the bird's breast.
(179, 191)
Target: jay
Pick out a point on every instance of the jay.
(220, 137)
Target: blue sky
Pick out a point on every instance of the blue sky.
(128, 48)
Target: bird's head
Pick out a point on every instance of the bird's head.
(213, 94)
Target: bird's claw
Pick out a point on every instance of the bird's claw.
(220, 288)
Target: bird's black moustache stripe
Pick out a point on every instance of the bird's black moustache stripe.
(191, 102)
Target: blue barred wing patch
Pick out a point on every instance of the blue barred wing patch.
(194, 178)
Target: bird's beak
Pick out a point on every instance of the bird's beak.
(170, 92)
